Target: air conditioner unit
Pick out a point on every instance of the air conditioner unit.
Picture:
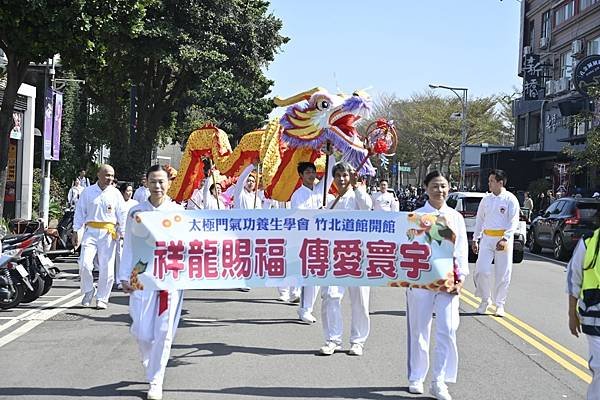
(561, 85)
(544, 42)
(526, 50)
(577, 47)
(550, 88)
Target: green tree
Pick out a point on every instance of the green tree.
(36, 30)
(192, 61)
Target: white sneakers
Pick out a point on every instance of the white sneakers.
(306, 316)
(415, 387)
(329, 348)
(356, 349)
(101, 305)
(155, 392)
(499, 311)
(439, 390)
(483, 307)
(88, 297)
(294, 299)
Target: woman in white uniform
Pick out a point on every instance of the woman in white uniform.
(422, 303)
(153, 327)
(126, 190)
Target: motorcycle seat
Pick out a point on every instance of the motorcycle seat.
(15, 238)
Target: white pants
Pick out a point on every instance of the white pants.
(501, 270)
(308, 296)
(118, 256)
(420, 306)
(154, 333)
(593, 392)
(97, 242)
(331, 313)
(289, 291)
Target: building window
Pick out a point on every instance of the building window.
(546, 25)
(580, 127)
(593, 46)
(566, 64)
(583, 4)
(564, 12)
(531, 33)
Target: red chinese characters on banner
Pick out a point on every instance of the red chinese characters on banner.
(415, 259)
(269, 258)
(381, 259)
(314, 254)
(347, 255)
(202, 259)
(160, 259)
(237, 258)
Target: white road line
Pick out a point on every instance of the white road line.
(43, 316)
(547, 258)
(18, 318)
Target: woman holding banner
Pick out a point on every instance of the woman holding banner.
(155, 314)
(422, 303)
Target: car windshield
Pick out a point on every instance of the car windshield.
(588, 211)
(471, 204)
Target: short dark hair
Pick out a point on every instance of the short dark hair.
(155, 168)
(123, 187)
(212, 187)
(342, 166)
(304, 165)
(499, 175)
(384, 180)
(433, 174)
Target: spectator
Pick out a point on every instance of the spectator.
(83, 180)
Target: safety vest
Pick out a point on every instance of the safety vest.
(590, 287)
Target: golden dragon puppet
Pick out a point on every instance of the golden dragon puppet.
(312, 118)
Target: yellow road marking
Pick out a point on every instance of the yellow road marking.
(575, 357)
(583, 375)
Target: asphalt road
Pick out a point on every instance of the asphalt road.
(235, 345)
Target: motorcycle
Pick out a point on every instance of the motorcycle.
(57, 241)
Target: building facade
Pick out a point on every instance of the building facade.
(555, 36)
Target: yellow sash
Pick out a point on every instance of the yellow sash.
(494, 232)
(109, 226)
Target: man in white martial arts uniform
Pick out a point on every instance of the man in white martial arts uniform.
(101, 209)
(212, 195)
(310, 197)
(352, 197)
(583, 288)
(422, 303)
(155, 314)
(384, 200)
(496, 222)
(141, 193)
(127, 192)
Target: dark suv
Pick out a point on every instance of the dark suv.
(562, 224)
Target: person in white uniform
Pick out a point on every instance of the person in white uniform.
(310, 197)
(495, 225)
(126, 190)
(212, 195)
(196, 201)
(141, 193)
(352, 197)
(422, 303)
(384, 200)
(583, 282)
(244, 192)
(101, 209)
(153, 328)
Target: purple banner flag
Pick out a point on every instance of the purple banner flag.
(53, 103)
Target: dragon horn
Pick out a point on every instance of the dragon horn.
(296, 98)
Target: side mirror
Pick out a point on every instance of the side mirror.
(546, 214)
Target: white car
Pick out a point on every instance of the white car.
(467, 204)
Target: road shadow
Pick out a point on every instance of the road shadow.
(203, 350)
(376, 393)
(113, 390)
(395, 313)
(209, 300)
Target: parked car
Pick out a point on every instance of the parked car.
(467, 204)
(562, 224)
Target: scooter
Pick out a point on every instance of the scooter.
(57, 241)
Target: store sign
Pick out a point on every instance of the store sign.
(587, 73)
(52, 124)
(533, 72)
(17, 131)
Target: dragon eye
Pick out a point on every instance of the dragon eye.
(322, 105)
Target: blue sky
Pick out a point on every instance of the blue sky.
(397, 46)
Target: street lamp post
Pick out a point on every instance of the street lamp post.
(463, 129)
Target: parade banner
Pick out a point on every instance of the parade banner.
(218, 249)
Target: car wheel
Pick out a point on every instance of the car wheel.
(560, 253)
(534, 247)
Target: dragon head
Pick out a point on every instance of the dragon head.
(316, 116)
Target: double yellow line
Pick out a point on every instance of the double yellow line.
(568, 360)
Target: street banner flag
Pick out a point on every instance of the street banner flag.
(220, 249)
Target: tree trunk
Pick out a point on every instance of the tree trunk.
(15, 75)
